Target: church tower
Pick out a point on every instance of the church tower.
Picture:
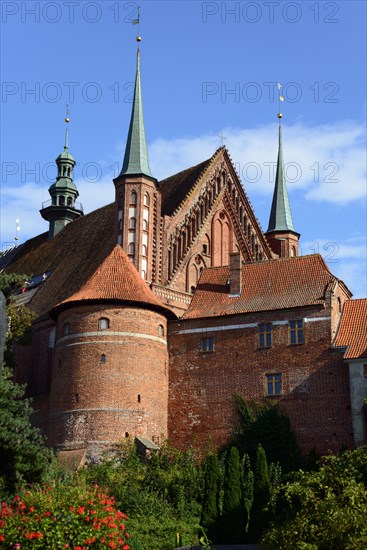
(62, 208)
(138, 200)
(281, 235)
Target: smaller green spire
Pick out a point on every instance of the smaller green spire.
(136, 159)
(280, 215)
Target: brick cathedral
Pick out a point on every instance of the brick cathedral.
(153, 312)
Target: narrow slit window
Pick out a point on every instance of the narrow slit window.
(207, 343)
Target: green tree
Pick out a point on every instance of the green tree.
(266, 424)
(327, 508)
(210, 509)
(262, 491)
(232, 521)
(247, 482)
(23, 456)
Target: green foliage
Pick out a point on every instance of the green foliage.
(210, 503)
(161, 497)
(266, 424)
(232, 521)
(262, 492)
(23, 456)
(19, 322)
(326, 509)
(10, 282)
(247, 484)
(63, 516)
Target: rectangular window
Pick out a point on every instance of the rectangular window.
(208, 343)
(265, 335)
(274, 384)
(296, 332)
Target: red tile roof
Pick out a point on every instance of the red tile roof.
(115, 280)
(266, 285)
(352, 331)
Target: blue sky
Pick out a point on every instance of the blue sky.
(208, 68)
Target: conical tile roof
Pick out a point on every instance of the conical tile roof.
(115, 280)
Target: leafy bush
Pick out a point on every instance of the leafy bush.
(23, 456)
(327, 509)
(63, 516)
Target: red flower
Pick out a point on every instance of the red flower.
(31, 508)
(21, 506)
(2, 538)
(47, 514)
(80, 510)
(66, 546)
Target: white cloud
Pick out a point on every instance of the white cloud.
(346, 259)
(339, 143)
(327, 161)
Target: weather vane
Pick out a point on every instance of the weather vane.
(280, 99)
(17, 229)
(67, 119)
(137, 22)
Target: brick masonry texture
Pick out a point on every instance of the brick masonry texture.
(95, 398)
(203, 385)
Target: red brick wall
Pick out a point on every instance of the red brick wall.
(315, 386)
(92, 401)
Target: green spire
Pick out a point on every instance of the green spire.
(280, 215)
(136, 154)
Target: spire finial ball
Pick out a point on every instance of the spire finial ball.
(138, 38)
(67, 119)
(280, 115)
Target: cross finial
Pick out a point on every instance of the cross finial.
(222, 138)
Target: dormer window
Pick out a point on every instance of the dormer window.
(146, 199)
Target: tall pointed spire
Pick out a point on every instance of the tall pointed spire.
(136, 161)
(280, 214)
(281, 235)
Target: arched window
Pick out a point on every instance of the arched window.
(103, 323)
(62, 200)
(145, 250)
(70, 201)
(145, 225)
(132, 223)
(204, 249)
(103, 358)
(66, 329)
(160, 330)
(133, 198)
(131, 248)
(293, 251)
(146, 199)
(143, 274)
(120, 225)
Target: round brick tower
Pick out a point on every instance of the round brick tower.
(110, 373)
